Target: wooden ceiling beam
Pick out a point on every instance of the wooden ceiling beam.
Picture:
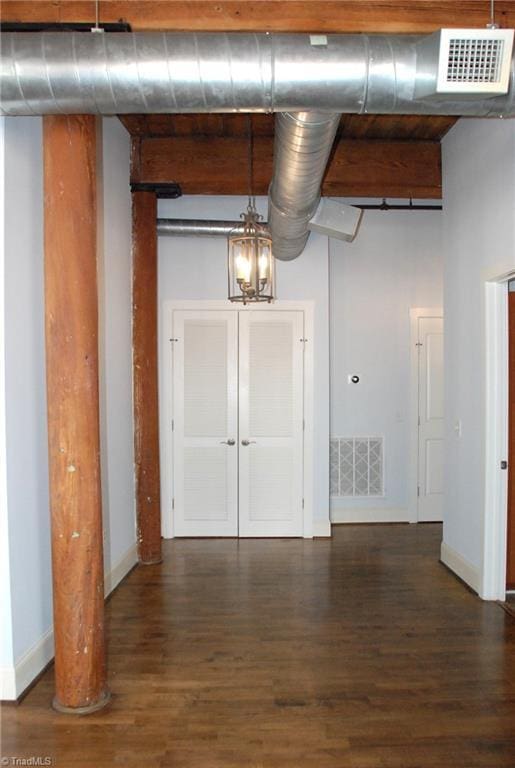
(389, 16)
(211, 165)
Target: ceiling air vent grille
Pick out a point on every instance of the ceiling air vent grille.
(474, 61)
(464, 62)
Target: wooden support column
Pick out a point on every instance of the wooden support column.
(144, 330)
(71, 320)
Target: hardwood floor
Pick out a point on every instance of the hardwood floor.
(360, 652)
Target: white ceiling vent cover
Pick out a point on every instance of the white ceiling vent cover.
(466, 62)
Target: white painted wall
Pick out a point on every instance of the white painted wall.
(25, 395)
(394, 263)
(196, 268)
(115, 293)
(27, 601)
(479, 245)
(7, 682)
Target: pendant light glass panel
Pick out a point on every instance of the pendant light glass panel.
(251, 267)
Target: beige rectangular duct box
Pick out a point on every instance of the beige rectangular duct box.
(467, 63)
(336, 219)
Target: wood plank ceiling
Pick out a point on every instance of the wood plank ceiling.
(400, 127)
(392, 16)
(373, 156)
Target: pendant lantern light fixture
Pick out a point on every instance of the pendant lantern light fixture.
(250, 258)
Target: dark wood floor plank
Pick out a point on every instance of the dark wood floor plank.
(361, 652)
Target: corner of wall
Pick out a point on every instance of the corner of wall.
(460, 566)
(321, 529)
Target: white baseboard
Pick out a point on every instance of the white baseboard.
(460, 566)
(34, 660)
(7, 684)
(376, 515)
(120, 569)
(14, 680)
(321, 529)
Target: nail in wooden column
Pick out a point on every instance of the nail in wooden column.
(71, 320)
(144, 329)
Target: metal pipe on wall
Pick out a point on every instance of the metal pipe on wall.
(222, 228)
(197, 227)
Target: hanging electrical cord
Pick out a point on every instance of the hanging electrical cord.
(250, 143)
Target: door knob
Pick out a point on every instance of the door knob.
(230, 441)
(247, 442)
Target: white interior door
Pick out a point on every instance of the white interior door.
(205, 407)
(271, 423)
(431, 424)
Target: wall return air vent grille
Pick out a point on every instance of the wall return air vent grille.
(356, 466)
(464, 62)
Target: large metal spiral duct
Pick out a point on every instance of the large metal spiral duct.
(159, 72)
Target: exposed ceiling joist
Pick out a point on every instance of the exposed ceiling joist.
(415, 16)
(217, 165)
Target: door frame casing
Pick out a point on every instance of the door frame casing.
(495, 518)
(168, 307)
(415, 314)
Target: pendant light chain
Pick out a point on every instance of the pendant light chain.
(250, 159)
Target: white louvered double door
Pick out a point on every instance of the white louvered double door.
(238, 422)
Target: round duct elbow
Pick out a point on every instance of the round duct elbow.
(288, 249)
(289, 230)
(303, 143)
